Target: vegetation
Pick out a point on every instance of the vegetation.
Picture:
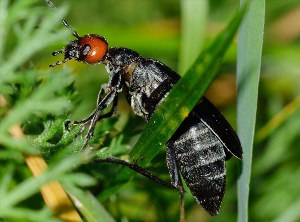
(36, 101)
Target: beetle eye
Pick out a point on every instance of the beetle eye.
(86, 50)
(95, 48)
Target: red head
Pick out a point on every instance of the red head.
(90, 49)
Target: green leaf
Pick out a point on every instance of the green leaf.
(43, 100)
(30, 39)
(32, 185)
(290, 214)
(89, 206)
(5, 178)
(19, 214)
(193, 25)
(248, 73)
(184, 96)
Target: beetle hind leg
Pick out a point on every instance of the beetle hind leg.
(175, 175)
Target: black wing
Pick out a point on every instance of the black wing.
(198, 149)
(205, 110)
(213, 119)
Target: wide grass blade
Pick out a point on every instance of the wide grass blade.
(248, 73)
(184, 96)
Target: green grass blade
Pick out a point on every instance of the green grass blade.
(193, 27)
(290, 214)
(184, 96)
(23, 214)
(89, 206)
(248, 68)
(3, 17)
(30, 186)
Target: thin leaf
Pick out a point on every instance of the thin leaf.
(30, 44)
(278, 119)
(89, 206)
(291, 214)
(32, 185)
(193, 24)
(248, 68)
(3, 17)
(19, 214)
(42, 100)
(5, 179)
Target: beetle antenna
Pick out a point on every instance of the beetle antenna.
(64, 22)
(59, 62)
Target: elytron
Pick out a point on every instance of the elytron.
(200, 146)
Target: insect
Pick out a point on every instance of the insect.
(200, 146)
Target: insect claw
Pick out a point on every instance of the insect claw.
(70, 123)
(88, 137)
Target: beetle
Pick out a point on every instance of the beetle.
(198, 149)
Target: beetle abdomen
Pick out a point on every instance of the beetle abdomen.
(200, 157)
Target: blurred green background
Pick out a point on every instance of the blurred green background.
(155, 29)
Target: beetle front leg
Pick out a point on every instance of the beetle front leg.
(110, 97)
(90, 117)
(86, 121)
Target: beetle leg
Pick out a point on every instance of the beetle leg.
(135, 167)
(90, 117)
(110, 96)
(172, 165)
(87, 120)
(112, 111)
(175, 176)
(181, 196)
(103, 89)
